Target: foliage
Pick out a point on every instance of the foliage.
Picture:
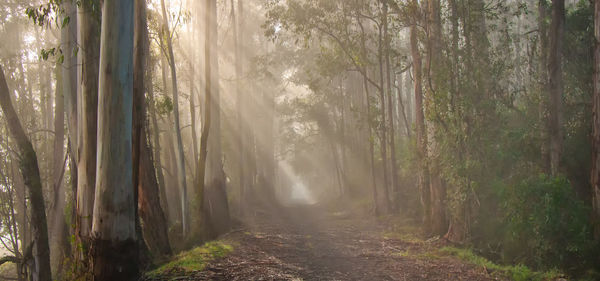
(517, 273)
(547, 225)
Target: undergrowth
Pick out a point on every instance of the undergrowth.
(194, 259)
(515, 272)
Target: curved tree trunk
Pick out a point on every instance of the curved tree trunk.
(28, 165)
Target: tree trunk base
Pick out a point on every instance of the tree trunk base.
(114, 260)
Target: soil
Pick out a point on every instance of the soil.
(303, 243)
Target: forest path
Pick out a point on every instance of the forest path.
(303, 243)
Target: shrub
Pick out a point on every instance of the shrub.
(547, 225)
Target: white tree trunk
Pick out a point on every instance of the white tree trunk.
(114, 247)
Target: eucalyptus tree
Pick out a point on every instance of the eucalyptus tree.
(114, 241)
(89, 17)
(179, 153)
(28, 164)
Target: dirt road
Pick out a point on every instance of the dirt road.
(305, 244)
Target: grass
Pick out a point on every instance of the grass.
(408, 237)
(194, 259)
(516, 272)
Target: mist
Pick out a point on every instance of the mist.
(299, 140)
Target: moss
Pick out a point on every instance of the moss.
(194, 259)
(515, 272)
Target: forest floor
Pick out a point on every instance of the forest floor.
(303, 243)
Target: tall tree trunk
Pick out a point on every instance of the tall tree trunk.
(369, 121)
(155, 224)
(89, 28)
(595, 175)
(58, 236)
(215, 199)
(179, 154)
(383, 141)
(434, 62)
(156, 141)
(240, 102)
(114, 249)
(390, 104)
(423, 176)
(544, 90)
(556, 84)
(64, 87)
(28, 165)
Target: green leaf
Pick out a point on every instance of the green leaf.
(66, 21)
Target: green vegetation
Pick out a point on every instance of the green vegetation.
(193, 260)
(517, 273)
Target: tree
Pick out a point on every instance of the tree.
(89, 28)
(28, 164)
(423, 176)
(179, 154)
(555, 85)
(144, 179)
(114, 249)
(215, 197)
(595, 173)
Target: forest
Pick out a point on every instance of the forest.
(299, 140)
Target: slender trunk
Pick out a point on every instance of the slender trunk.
(193, 122)
(58, 237)
(369, 121)
(556, 84)
(240, 102)
(64, 87)
(544, 90)
(437, 193)
(595, 174)
(89, 28)
(392, 138)
(200, 184)
(215, 201)
(423, 176)
(28, 165)
(114, 246)
(179, 155)
(383, 141)
(156, 142)
(145, 186)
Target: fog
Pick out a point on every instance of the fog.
(299, 139)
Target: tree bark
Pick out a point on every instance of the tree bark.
(595, 174)
(114, 249)
(156, 142)
(383, 140)
(215, 199)
(89, 28)
(390, 104)
(145, 182)
(438, 213)
(28, 165)
(423, 176)
(556, 84)
(543, 80)
(240, 102)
